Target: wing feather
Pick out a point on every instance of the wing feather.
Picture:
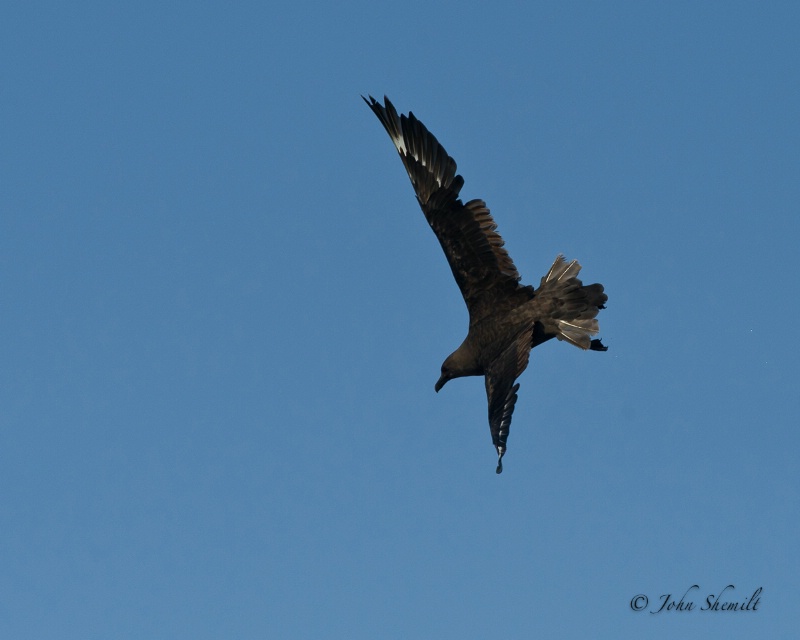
(481, 266)
(501, 392)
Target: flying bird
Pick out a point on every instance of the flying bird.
(506, 319)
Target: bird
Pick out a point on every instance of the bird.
(507, 319)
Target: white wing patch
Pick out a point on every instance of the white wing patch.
(400, 144)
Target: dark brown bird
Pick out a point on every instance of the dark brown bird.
(506, 319)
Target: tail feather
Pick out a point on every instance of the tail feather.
(572, 307)
(578, 332)
(562, 270)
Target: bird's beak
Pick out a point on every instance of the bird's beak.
(440, 382)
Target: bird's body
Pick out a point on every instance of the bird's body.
(507, 319)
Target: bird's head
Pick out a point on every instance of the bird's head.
(458, 364)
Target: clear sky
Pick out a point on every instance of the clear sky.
(223, 315)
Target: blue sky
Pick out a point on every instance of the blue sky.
(224, 315)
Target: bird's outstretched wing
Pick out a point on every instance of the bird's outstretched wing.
(481, 266)
(501, 392)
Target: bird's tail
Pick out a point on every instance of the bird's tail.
(572, 306)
